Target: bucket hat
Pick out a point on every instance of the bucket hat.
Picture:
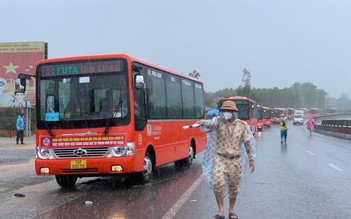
(229, 105)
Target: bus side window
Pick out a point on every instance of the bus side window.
(139, 110)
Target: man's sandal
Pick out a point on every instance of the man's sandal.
(232, 215)
(217, 216)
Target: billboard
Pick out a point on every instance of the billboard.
(17, 58)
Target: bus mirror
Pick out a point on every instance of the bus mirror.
(20, 84)
(139, 82)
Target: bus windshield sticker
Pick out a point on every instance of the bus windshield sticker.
(51, 116)
(84, 80)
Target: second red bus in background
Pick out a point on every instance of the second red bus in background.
(267, 116)
(276, 112)
(248, 111)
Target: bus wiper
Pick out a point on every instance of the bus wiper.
(47, 126)
(119, 106)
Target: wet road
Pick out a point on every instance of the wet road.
(308, 177)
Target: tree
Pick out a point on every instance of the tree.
(195, 74)
(246, 90)
(246, 78)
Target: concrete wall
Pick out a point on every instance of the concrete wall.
(339, 132)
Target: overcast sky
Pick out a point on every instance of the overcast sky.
(279, 41)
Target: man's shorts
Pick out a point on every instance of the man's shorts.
(228, 171)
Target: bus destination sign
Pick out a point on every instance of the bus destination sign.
(81, 68)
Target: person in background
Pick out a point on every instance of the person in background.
(20, 128)
(310, 124)
(229, 144)
(283, 128)
(106, 104)
(5, 98)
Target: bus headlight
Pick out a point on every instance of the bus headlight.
(44, 153)
(127, 150)
(130, 149)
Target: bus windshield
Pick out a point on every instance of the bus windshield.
(260, 113)
(266, 114)
(94, 93)
(243, 108)
(276, 113)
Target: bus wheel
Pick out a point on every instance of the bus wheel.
(147, 167)
(186, 162)
(189, 161)
(66, 181)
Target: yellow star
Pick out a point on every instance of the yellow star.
(11, 68)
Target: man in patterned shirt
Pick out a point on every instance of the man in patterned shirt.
(229, 143)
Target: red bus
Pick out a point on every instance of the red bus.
(248, 111)
(307, 112)
(315, 112)
(331, 111)
(260, 119)
(267, 116)
(276, 112)
(135, 131)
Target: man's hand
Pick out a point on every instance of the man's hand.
(252, 165)
(201, 123)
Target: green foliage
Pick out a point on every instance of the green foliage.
(212, 98)
(305, 95)
(246, 78)
(342, 104)
(195, 74)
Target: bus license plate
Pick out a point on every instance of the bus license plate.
(78, 164)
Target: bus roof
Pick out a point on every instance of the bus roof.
(236, 98)
(112, 56)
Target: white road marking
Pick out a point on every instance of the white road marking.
(335, 167)
(310, 152)
(182, 200)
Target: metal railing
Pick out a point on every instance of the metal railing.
(336, 128)
(337, 123)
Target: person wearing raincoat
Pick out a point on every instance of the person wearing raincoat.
(230, 144)
(310, 124)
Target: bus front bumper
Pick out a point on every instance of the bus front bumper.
(89, 166)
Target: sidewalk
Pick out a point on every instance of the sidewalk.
(11, 142)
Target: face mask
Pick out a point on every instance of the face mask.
(227, 115)
(236, 115)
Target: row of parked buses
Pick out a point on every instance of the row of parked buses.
(257, 116)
